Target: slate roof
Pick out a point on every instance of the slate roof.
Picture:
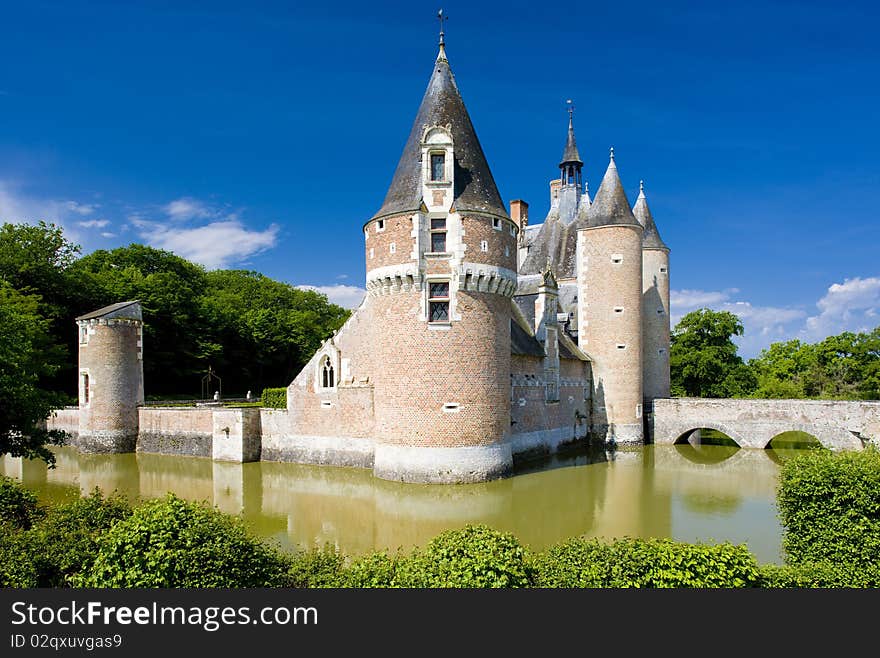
(113, 308)
(651, 237)
(475, 188)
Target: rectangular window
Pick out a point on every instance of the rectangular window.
(496, 223)
(83, 335)
(85, 385)
(438, 235)
(438, 165)
(438, 301)
(380, 225)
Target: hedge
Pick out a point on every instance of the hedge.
(829, 507)
(274, 398)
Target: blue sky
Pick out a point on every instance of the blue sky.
(262, 135)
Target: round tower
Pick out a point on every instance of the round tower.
(111, 377)
(441, 269)
(609, 281)
(655, 304)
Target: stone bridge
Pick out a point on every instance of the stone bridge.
(838, 425)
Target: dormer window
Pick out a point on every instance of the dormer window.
(438, 166)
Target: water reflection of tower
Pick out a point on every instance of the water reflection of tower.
(633, 505)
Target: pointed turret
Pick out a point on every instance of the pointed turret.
(651, 237)
(610, 206)
(570, 155)
(475, 189)
(655, 303)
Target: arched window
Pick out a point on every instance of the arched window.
(327, 379)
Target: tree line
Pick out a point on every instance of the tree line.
(255, 332)
(704, 362)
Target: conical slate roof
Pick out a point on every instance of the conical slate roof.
(651, 237)
(545, 246)
(570, 154)
(475, 188)
(610, 205)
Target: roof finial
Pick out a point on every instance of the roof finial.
(641, 189)
(570, 111)
(442, 19)
(612, 154)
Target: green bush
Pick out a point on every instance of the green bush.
(815, 576)
(274, 398)
(654, 563)
(68, 536)
(471, 557)
(372, 571)
(313, 568)
(829, 505)
(173, 543)
(18, 506)
(19, 564)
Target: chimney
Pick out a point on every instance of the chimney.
(519, 213)
(555, 185)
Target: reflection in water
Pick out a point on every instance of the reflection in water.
(688, 493)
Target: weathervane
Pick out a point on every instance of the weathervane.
(570, 109)
(442, 19)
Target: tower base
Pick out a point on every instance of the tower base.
(442, 465)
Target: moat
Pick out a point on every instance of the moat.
(704, 493)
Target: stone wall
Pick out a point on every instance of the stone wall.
(754, 423)
(66, 419)
(176, 430)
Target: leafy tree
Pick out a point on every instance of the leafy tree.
(26, 354)
(703, 357)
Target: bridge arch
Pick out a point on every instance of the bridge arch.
(832, 438)
(682, 432)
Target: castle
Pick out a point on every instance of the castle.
(481, 337)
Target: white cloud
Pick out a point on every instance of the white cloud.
(94, 223)
(215, 245)
(188, 208)
(848, 306)
(107, 234)
(80, 208)
(344, 296)
(692, 299)
(341, 277)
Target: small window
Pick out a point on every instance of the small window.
(392, 247)
(327, 374)
(484, 245)
(638, 411)
(366, 233)
(371, 252)
(618, 309)
(438, 235)
(83, 335)
(661, 351)
(621, 346)
(617, 259)
(660, 311)
(506, 250)
(451, 407)
(326, 404)
(380, 225)
(662, 270)
(512, 230)
(85, 387)
(438, 165)
(438, 301)
(496, 223)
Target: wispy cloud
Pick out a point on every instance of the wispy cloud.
(215, 245)
(94, 223)
(187, 208)
(344, 296)
(341, 277)
(108, 234)
(80, 208)
(849, 306)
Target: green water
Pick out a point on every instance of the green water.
(707, 493)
